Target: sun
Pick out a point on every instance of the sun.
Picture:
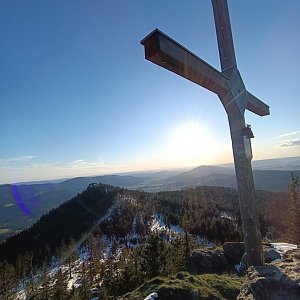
(190, 143)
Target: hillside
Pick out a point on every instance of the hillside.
(212, 212)
(71, 220)
(22, 204)
(136, 235)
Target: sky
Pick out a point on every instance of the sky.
(77, 97)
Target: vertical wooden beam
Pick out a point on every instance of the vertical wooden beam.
(246, 190)
(224, 35)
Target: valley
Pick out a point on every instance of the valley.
(22, 204)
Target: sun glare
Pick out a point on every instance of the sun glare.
(191, 143)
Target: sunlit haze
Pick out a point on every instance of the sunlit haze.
(192, 143)
(78, 97)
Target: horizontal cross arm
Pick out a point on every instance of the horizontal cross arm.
(167, 53)
(257, 106)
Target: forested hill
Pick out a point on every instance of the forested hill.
(69, 221)
(22, 204)
(210, 212)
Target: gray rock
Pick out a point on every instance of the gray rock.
(278, 281)
(206, 261)
(234, 250)
(271, 255)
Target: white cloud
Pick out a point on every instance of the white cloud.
(14, 159)
(81, 163)
(78, 161)
(290, 144)
(288, 134)
(42, 165)
(289, 140)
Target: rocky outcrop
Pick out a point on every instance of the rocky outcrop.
(279, 280)
(207, 261)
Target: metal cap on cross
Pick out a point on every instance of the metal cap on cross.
(228, 85)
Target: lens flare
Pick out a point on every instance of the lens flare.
(19, 201)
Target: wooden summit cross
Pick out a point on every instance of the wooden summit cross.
(228, 85)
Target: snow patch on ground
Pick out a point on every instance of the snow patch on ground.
(132, 240)
(158, 225)
(177, 229)
(203, 241)
(83, 253)
(239, 267)
(225, 215)
(283, 247)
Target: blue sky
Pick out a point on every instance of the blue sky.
(78, 97)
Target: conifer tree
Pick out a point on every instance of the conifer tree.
(110, 279)
(153, 257)
(71, 259)
(19, 268)
(134, 268)
(60, 288)
(44, 292)
(29, 271)
(85, 284)
(7, 280)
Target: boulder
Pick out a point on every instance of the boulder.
(271, 255)
(206, 261)
(279, 280)
(234, 250)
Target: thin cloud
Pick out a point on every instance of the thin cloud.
(291, 144)
(288, 134)
(15, 159)
(43, 165)
(78, 161)
(81, 163)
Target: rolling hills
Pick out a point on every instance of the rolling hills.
(22, 204)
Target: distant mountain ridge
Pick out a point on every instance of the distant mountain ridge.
(282, 164)
(22, 204)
